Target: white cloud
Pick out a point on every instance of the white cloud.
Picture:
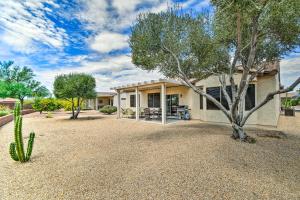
(25, 23)
(290, 69)
(106, 42)
(109, 72)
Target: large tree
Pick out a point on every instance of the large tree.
(18, 82)
(241, 36)
(75, 87)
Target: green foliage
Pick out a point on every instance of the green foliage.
(3, 113)
(108, 109)
(16, 149)
(289, 103)
(4, 110)
(74, 88)
(46, 104)
(18, 82)
(277, 22)
(67, 104)
(161, 41)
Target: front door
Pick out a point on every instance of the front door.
(172, 104)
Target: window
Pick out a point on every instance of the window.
(223, 98)
(123, 99)
(214, 92)
(250, 97)
(132, 100)
(154, 100)
(201, 99)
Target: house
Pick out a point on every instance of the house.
(102, 99)
(169, 96)
(8, 102)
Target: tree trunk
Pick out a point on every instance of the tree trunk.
(78, 109)
(238, 132)
(22, 103)
(73, 113)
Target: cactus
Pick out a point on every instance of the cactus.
(16, 149)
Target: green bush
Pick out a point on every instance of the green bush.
(67, 105)
(4, 112)
(108, 109)
(46, 104)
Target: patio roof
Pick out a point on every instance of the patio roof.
(168, 82)
(106, 94)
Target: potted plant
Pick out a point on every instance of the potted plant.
(289, 110)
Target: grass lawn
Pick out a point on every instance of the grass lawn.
(106, 158)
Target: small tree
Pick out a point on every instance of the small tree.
(18, 82)
(73, 87)
(189, 46)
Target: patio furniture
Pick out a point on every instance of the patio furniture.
(147, 113)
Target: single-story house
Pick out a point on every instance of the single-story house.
(168, 98)
(102, 99)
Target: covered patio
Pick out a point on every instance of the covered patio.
(155, 101)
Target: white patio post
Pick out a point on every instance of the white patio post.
(118, 104)
(96, 103)
(163, 104)
(137, 104)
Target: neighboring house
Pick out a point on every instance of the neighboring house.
(170, 95)
(9, 102)
(102, 99)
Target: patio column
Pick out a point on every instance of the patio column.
(118, 104)
(96, 103)
(163, 104)
(137, 104)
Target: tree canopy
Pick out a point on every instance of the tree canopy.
(75, 87)
(239, 36)
(18, 82)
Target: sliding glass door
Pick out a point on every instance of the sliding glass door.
(172, 104)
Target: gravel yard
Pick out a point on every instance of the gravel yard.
(99, 157)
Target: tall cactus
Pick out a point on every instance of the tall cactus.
(16, 149)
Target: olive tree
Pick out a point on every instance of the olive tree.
(189, 46)
(75, 87)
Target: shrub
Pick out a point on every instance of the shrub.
(108, 109)
(47, 104)
(67, 105)
(3, 113)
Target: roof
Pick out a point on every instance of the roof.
(271, 68)
(8, 100)
(144, 83)
(106, 94)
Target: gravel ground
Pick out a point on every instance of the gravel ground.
(105, 158)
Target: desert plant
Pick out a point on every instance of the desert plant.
(16, 149)
(108, 109)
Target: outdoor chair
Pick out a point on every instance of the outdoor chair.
(147, 113)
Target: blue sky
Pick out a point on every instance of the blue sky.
(62, 36)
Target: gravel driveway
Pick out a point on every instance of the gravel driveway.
(105, 158)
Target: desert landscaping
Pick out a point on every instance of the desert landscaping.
(100, 157)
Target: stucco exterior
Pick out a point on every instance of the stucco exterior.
(267, 115)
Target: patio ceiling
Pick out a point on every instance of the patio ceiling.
(146, 85)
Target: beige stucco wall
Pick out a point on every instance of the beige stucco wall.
(267, 115)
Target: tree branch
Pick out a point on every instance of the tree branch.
(268, 98)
